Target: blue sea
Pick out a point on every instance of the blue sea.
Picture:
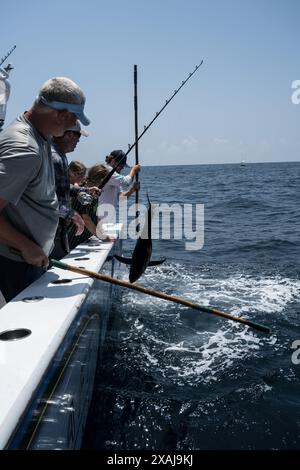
(172, 378)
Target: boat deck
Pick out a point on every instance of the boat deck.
(47, 310)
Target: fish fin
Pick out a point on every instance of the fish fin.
(134, 277)
(148, 199)
(123, 260)
(156, 262)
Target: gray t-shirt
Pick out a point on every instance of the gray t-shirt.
(27, 183)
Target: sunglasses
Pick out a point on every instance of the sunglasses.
(78, 134)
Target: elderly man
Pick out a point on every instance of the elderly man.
(28, 203)
(60, 147)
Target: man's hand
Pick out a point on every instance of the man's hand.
(136, 186)
(94, 191)
(33, 254)
(136, 169)
(79, 222)
(19, 243)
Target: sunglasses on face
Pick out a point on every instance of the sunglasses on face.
(78, 134)
(75, 133)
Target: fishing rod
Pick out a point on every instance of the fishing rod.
(107, 178)
(159, 294)
(136, 131)
(141, 257)
(7, 55)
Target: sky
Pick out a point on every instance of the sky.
(236, 107)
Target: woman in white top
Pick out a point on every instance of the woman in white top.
(117, 185)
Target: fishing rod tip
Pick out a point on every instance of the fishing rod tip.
(259, 327)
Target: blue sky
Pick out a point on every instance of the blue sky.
(237, 106)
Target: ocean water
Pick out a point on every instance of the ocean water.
(172, 378)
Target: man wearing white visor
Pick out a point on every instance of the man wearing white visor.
(28, 202)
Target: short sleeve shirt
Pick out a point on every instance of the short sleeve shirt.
(27, 183)
(110, 192)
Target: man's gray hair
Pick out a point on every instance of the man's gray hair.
(62, 89)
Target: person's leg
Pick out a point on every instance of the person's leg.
(58, 251)
(61, 245)
(15, 276)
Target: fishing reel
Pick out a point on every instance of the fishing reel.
(84, 198)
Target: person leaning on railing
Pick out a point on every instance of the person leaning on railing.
(85, 203)
(28, 203)
(64, 177)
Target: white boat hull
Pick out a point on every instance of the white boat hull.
(51, 372)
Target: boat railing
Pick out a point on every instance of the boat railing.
(33, 326)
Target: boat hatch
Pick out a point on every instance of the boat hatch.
(15, 334)
(35, 298)
(61, 281)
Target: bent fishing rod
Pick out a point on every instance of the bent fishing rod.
(158, 294)
(7, 55)
(136, 136)
(109, 175)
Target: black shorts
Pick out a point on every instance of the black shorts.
(15, 276)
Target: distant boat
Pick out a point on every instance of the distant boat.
(243, 163)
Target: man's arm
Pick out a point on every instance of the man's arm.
(135, 187)
(134, 170)
(122, 181)
(30, 251)
(79, 222)
(89, 224)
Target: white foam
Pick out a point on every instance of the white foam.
(240, 292)
(204, 355)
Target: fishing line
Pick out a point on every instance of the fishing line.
(137, 138)
(7, 55)
(107, 178)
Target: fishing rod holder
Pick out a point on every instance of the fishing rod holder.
(15, 334)
(61, 281)
(35, 298)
